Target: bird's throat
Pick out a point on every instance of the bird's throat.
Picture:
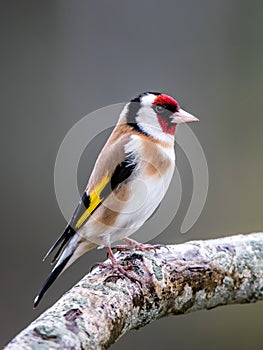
(166, 126)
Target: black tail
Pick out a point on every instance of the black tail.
(62, 240)
(54, 274)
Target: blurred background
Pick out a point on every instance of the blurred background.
(61, 60)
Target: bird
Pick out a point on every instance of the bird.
(129, 180)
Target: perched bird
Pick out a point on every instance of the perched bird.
(128, 182)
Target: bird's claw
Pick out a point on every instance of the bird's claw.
(139, 246)
(120, 271)
(114, 278)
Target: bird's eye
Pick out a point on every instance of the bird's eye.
(159, 109)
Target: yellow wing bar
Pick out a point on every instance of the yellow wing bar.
(95, 200)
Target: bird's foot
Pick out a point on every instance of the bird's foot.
(120, 271)
(132, 244)
(123, 271)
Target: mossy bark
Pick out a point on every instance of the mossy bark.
(183, 278)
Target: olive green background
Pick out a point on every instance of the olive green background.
(62, 59)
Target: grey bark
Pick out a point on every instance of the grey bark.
(192, 276)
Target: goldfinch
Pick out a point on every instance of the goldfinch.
(128, 182)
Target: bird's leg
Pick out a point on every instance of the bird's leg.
(113, 264)
(132, 244)
(121, 270)
(113, 260)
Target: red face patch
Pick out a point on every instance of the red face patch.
(167, 127)
(164, 107)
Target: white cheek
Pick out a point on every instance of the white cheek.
(148, 121)
(147, 117)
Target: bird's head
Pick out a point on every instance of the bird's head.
(156, 114)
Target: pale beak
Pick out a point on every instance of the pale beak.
(183, 117)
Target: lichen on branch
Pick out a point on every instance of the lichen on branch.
(172, 280)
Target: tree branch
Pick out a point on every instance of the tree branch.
(184, 278)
